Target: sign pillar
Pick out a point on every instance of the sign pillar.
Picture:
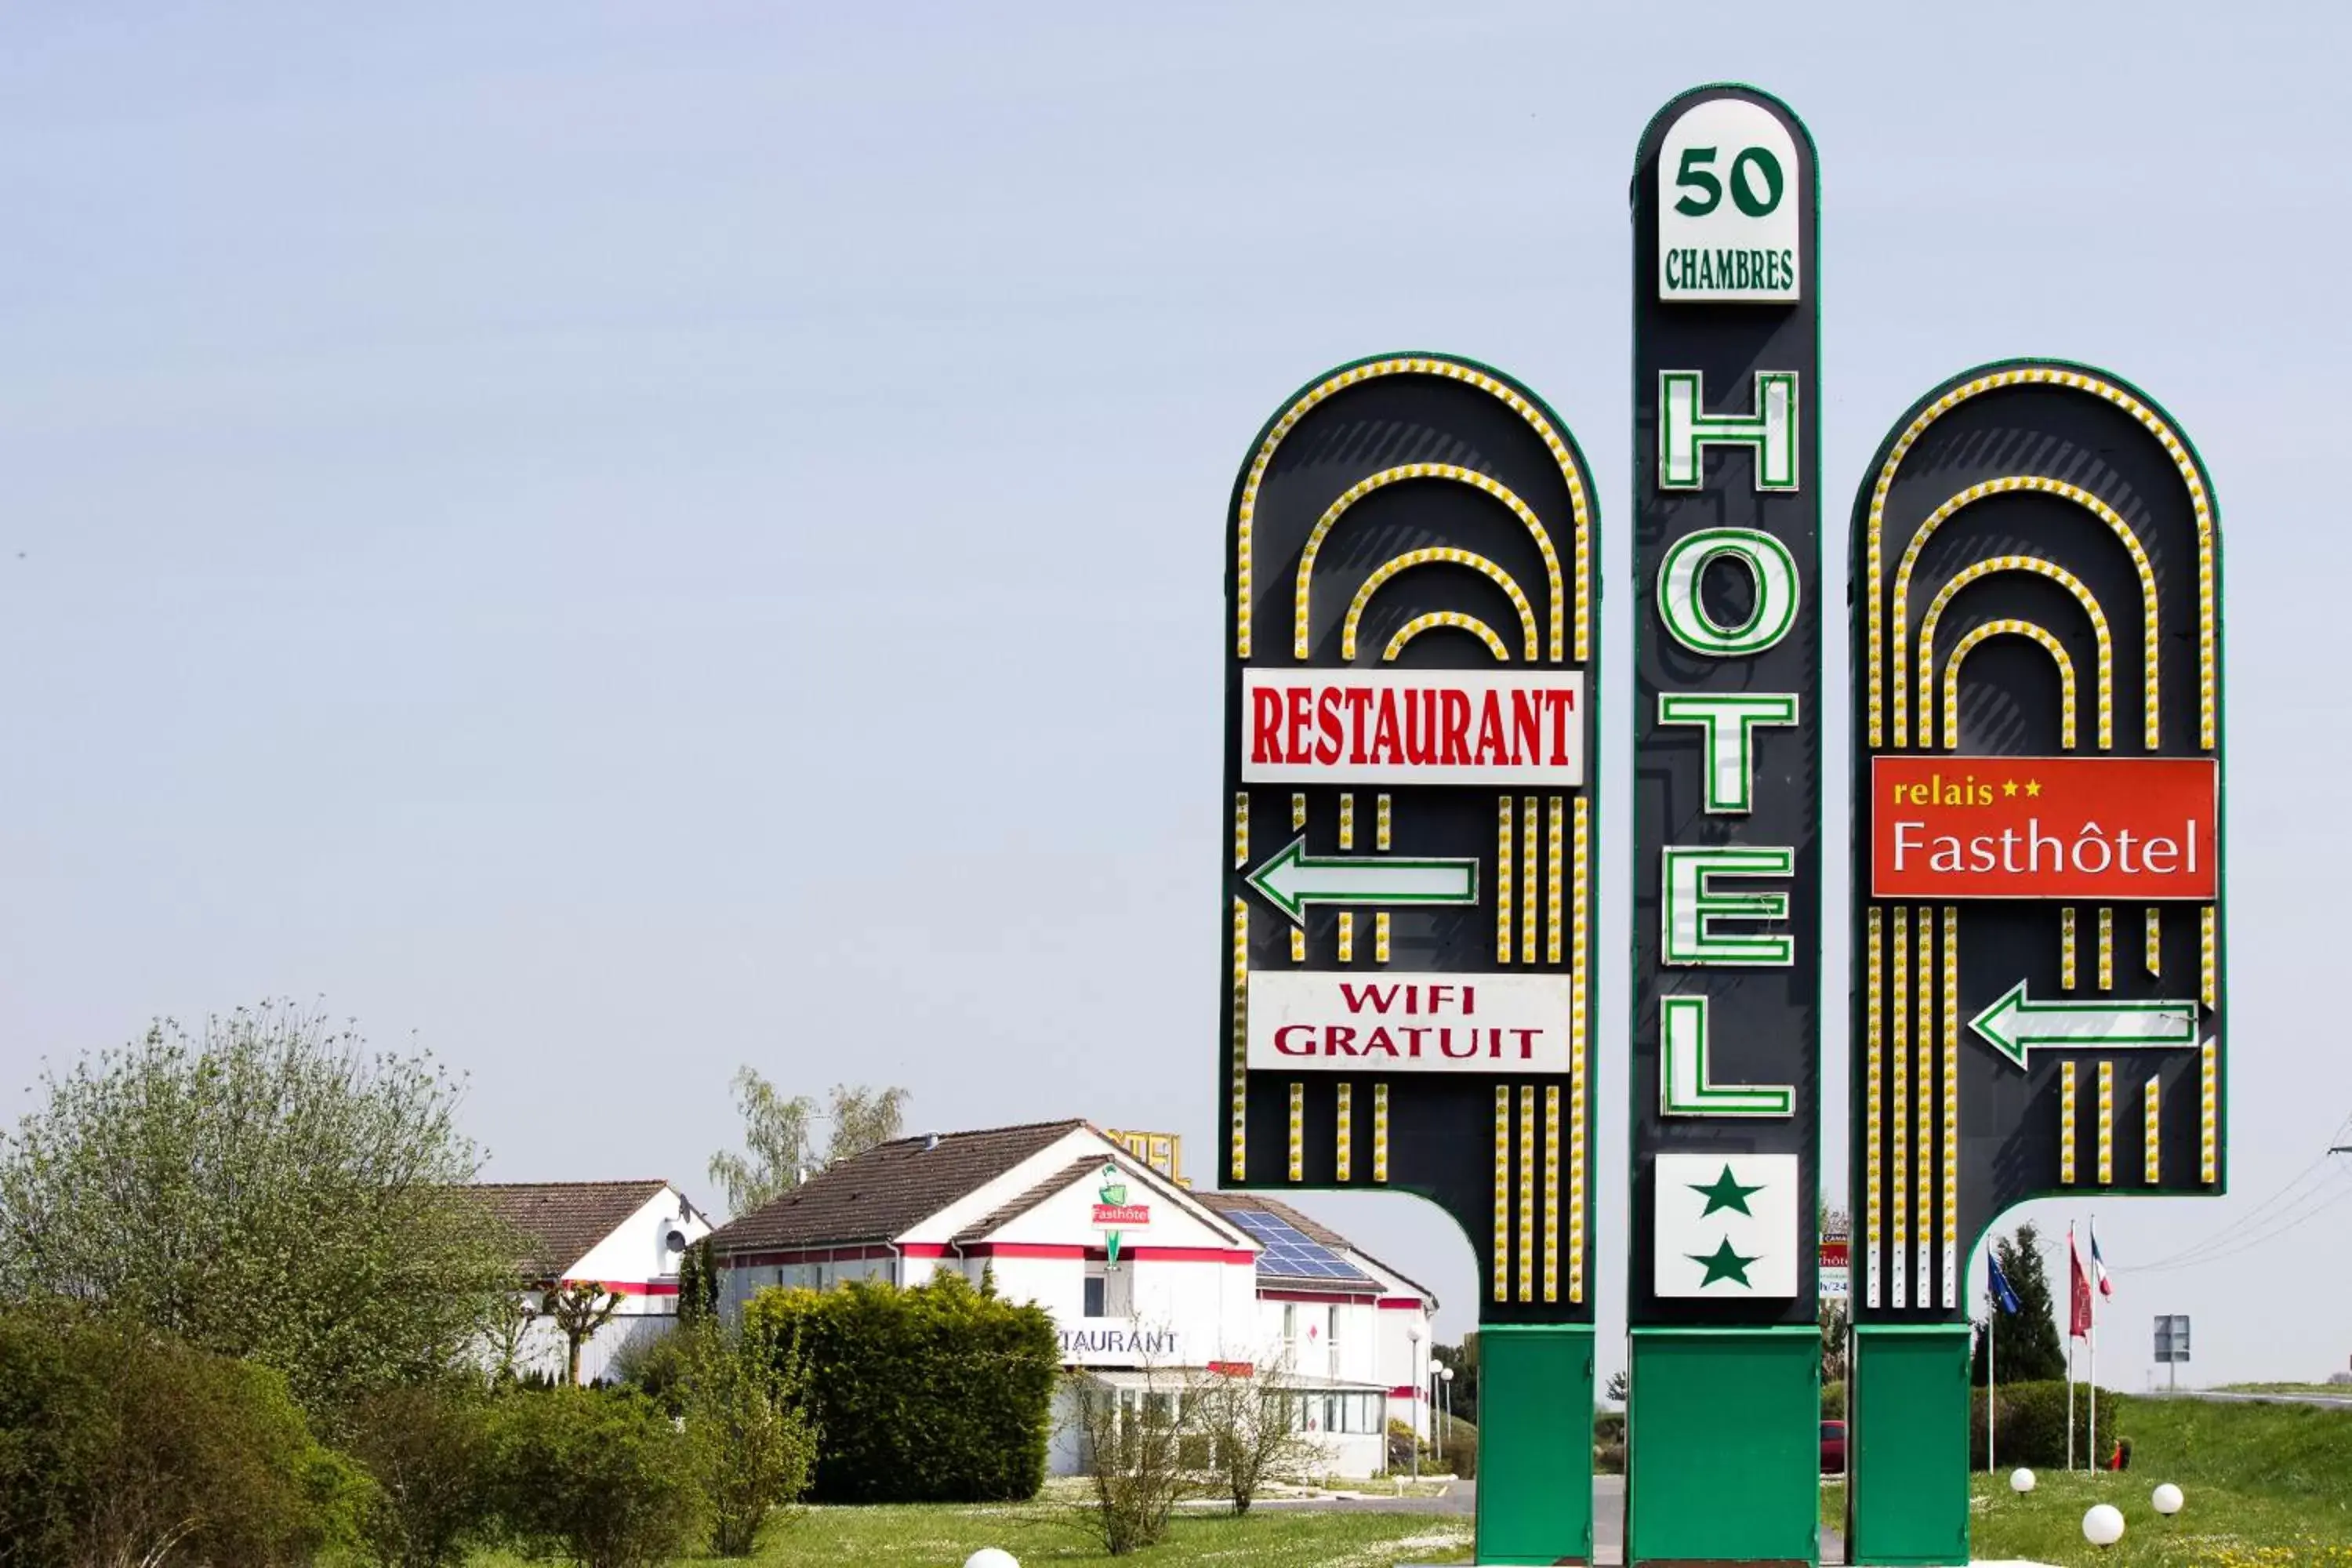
(1722, 1427)
(2038, 933)
(1406, 933)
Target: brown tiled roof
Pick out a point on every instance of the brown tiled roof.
(1312, 1230)
(888, 1189)
(559, 1223)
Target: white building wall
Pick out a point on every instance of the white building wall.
(634, 1260)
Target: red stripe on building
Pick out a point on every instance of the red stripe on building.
(804, 1255)
(1401, 1303)
(631, 1287)
(1404, 1391)
(1316, 1297)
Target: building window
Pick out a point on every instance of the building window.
(1290, 1331)
(1331, 1340)
(1109, 1292)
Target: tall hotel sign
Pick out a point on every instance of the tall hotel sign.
(1726, 908)
(2038, 1007)
(1411, 829)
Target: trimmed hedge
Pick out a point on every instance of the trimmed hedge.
(937, 1394)
(2030, 1424)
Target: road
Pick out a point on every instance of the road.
(2326, 1401)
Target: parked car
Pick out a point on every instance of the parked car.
(1832, 1447)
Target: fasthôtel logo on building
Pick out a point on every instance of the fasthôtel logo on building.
(1114, 1214)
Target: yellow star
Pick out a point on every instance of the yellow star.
(2008, 786)
(2033, 786)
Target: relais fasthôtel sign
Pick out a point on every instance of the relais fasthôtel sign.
(1412, 830)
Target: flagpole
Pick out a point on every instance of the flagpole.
(2069, 1346)
(1993, 1361)
(2094, 1338)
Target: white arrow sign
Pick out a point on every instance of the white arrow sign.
(1293, 879)
(2016, 1025)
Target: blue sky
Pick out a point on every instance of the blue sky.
(626, 540)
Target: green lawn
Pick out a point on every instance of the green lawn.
(2267, 1484)
(942, 1537)
(2327, 1390)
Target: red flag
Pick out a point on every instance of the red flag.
(2079, 1324)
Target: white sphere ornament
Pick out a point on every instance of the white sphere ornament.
(991, 1557)
(2103, 1525)
(2020, 1481)
(2166, 1498)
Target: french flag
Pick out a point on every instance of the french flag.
(2099, 1265)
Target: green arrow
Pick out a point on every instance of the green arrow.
(1294, 880)
(2015, 1024)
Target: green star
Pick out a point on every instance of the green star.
(1726, 1194)
(1725, 1264)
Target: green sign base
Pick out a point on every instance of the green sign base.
(1907, 1450)
(1535, 1443)
(1723, 1451)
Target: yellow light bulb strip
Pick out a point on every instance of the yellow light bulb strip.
(2152, 1155)
(1297, 1132)
(1926, 1182)
(1381, 937)
(1297, 811)
(1435, 555)
(2155, 924)
(1552, 1194)
(1345, 1148)
(1503, 880)
(1437, 620)
(1379, 1132)
(1899, 1293)
(1555, 814)
(2058, 654)
(2199, 499)
(1952, 1044)
(1530, 867)
(1347, 938)
(2056, 574)
(2066, 947)
(1238, 1127)
(1874, 1100)
(2107, 1123)
(2066, 1123)
(1298, 945)
(1527, 1204)
(2106, 514)
(1453, 474)
(2208, 952)
(2209, 1111)
(1347, 819)
(1579, 933)
(1240, 829)
(1502, 1268)
(2107, 950)
(1381, 828)
(1554, 442)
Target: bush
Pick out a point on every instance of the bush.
(1608, 1459)
(1833, 1401)
(428, 1451)
(119, 1444)
(747, 1425)
(2030, 1422)
(1609, 1426)
(937, 1394)
(1134, 1460)
(596, 1479)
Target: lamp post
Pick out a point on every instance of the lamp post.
(1445, 1387)
(1419, 1383)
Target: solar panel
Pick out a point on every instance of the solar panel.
(1290, 1253)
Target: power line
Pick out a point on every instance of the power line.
(2314, 1203)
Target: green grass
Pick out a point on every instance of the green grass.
(1041, 1533)
(2328, 1390)
(2265, 1484)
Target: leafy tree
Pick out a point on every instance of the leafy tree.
(1620, 1386)
(505, 1329)
(2028, 1344)
(1834, 1321)
(1461, 1393)
(578, 1310)
(263, 1188)
(1254, 1435)
(697, 1285)
(1134, 1456)
(779, 1136)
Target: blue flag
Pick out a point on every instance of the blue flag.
(2002, 1293)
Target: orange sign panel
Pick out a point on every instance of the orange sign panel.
(2128, 829)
